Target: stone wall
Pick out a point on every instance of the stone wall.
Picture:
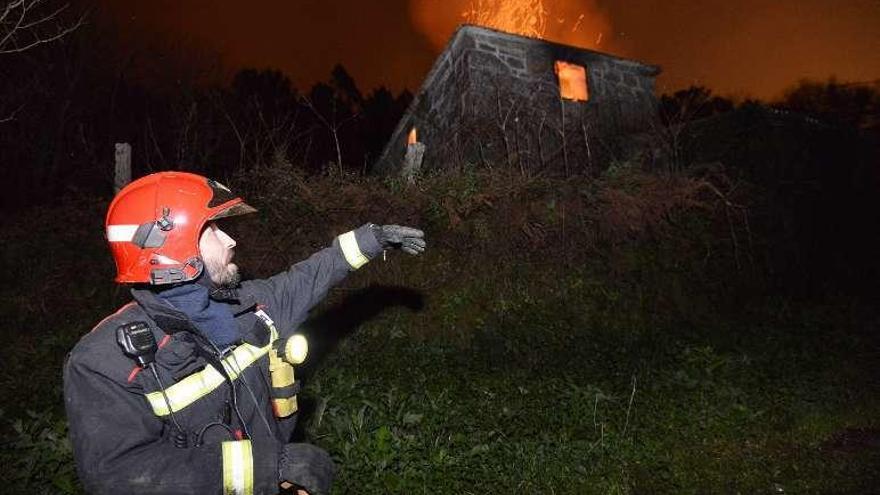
(493, 99)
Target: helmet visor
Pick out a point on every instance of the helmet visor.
(234, 211)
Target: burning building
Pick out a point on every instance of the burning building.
(498, 99)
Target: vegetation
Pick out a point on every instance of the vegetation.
(701, 323)
(64, 105)
(614, 335)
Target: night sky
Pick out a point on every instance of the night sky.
(743, 48)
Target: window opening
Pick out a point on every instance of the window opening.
(572, 81)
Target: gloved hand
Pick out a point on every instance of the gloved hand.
(409, 240)
(308, 467)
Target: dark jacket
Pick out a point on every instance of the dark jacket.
(122, 435)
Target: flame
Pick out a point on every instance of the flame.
(412, 137)
(573, 22)
(572, 81)
(525, 17)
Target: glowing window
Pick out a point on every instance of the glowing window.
(572, 81)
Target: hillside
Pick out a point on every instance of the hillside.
(626, 334)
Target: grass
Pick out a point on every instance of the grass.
(549, 400)
(559, 337)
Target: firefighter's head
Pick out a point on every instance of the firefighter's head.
(217, 249)
(162, 230)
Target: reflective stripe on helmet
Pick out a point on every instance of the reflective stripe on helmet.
(238, 468)
(351, 250)
(121, 233)
(198, 385)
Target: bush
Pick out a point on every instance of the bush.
(558, 336)
(38, 458)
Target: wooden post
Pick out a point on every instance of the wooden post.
(123, 166)
(412, 162)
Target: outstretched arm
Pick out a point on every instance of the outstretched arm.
(292, 293)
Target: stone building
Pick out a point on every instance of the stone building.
(497, 99)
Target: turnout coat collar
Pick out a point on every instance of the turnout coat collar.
(171, 320)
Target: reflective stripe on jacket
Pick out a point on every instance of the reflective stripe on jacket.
(120, 428)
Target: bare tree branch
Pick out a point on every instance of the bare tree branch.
(9, 8)
(22, 25)
(241, 143)
(11, 116)
(332, 126)
(44, 19)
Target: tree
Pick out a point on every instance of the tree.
(345, 88)
(695, 102)
(263, 113)
(332, 113)
(851, 104)
(381, 113)
(25, 24)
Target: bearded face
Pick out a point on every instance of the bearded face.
(217, 249)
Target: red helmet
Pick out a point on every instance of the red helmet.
(153, 225)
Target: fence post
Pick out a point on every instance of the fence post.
(123, 166)
(412, 162)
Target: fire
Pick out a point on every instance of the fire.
(412, 137)
(572, 81)
(526, 17)
(573, 22)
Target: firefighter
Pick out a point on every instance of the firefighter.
(190, 387)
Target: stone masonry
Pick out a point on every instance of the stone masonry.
(493, 99)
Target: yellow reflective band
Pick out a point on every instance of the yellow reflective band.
(351, 250)
(280, 372)
(198, 385)
(238, 468)
(285, 407)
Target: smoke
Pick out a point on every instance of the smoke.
(573, 22)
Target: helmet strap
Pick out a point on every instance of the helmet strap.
(190, 270)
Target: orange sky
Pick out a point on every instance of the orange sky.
(740, 48)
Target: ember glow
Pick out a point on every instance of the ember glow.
(525, 17)
(573, 22)
(745, 48)
(572, 81)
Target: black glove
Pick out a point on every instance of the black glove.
(307, 467)
(408, 239)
